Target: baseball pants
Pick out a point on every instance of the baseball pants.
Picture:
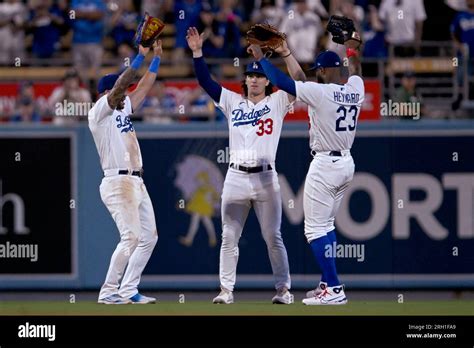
(326, 182)
(242, 191)
(128, 202)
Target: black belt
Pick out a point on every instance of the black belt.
(251, 169)
(331, 153)
(135, 172)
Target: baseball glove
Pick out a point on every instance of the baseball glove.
(148, 31)
(343, 31)
(266, 36)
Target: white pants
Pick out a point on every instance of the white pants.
(327, 179)
(128, 202)
(240, 192)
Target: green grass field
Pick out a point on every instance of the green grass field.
(453, 307)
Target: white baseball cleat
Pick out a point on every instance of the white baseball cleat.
(114, 299)
(283, 296)
(141, 299)
(332, 295)
(224, 297)
(317, 291)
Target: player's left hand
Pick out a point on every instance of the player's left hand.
(143, 50)
(256, 51)
(157, 49)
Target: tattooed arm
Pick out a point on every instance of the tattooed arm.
(117, 95)
(147, 81)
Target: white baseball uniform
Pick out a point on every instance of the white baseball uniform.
(333, 111)
(254, 132)
(125, 196)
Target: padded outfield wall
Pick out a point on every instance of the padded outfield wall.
(406, 221)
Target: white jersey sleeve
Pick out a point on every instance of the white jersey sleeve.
(100, 111)
(309, 92)
(227, 101)
(284, 102)
(357, 84)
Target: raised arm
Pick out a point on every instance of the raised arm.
(292, 64)
(353, 54)
(200, 67)
(275, 75)
(147, 81)
(117, 95)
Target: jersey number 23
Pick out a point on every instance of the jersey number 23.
(343, 112)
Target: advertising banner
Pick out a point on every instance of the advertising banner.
(407, 212)
(36, 206)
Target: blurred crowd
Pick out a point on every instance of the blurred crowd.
(47, 29)
(48, 24)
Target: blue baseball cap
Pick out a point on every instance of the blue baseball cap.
(255, 68)
(327, 59)
(107, 82)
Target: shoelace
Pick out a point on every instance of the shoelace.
(324, 293)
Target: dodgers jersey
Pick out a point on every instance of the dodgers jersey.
(333, 112)
(114, 136)
(254, 129)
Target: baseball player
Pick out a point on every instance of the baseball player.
(333, 106)
(122, 189)
(255, 121)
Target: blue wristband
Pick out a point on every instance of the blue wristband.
(137, 62)
(155, 63)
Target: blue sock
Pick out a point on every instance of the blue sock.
(332, 239)
(327, 264)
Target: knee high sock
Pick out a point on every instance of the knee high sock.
(322, 247)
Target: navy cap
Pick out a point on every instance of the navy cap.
(327, 59)
(255, 68)
(107, 82)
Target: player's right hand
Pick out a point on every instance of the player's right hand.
(194, 39)
(157, 48)
(283, 50)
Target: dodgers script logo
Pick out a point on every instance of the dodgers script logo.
(241, 118)
(126, 125)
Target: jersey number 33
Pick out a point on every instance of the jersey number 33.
(265, 127)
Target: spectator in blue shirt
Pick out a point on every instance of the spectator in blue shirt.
(462, 30)
(374, 35)
(45, 24)
(26, 111)
(88, 33)
(187, 15)
(230, 16)
(213, 31)
(124, 23)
